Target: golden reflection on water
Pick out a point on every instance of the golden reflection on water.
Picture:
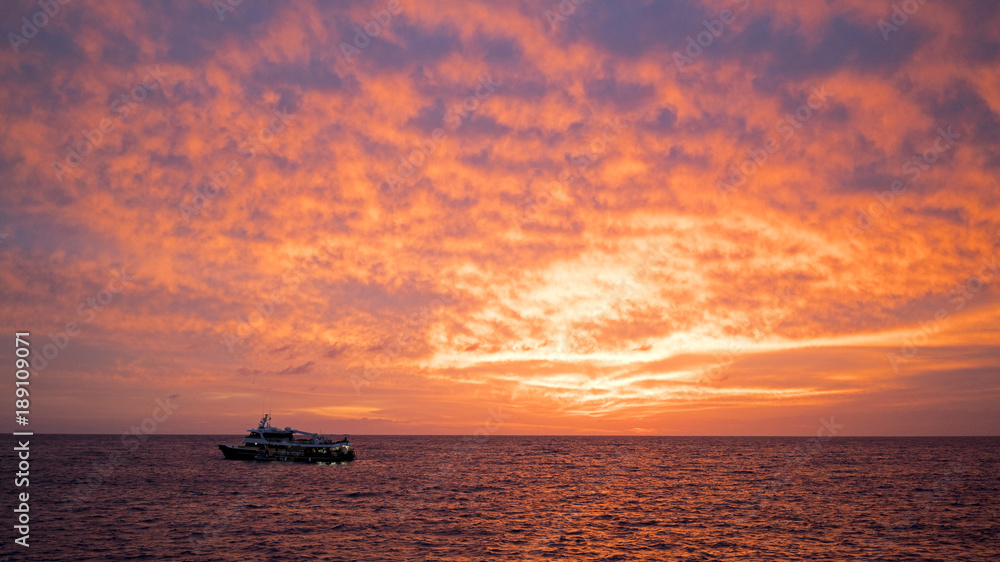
(544, 498)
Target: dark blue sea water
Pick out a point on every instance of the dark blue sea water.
(521, 498)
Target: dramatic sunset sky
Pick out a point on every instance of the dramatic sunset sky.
(674, 218)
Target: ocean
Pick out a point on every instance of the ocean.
(514, 498)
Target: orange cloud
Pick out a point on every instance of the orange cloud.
(479, 209)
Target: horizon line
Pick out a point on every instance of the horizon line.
(824, 437)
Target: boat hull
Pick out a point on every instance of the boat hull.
(252, 454)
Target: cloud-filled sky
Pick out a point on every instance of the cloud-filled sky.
(691, 217)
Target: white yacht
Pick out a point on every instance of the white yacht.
(266, 443)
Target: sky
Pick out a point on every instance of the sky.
(390, 217)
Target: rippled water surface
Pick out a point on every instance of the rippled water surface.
(453, 498)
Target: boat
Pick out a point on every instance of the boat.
(266, 443)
